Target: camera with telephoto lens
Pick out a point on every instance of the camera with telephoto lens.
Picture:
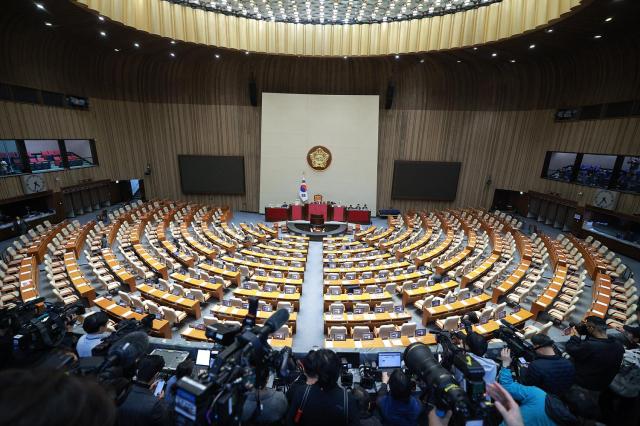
(522, 351)
(35, 327)
(218, 397)
(469, 407)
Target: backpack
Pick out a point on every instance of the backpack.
(627, 381)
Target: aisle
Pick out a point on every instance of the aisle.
(309, 326)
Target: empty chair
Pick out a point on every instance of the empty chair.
(385, 330)
(199, 295)
(560, 316)
(449, 323)
(497, 309)
(285, 305)
(178, 290)
(137, 303)
(334, 290)
(337, 330)
(363, 306)
(336, 308)
(152, 308)
(283, 332)
(531, 330)
(387, 306)
(173, 316)
(124, 297)
(408, 329)
(424, 303)
(359, 331)
(236, 302)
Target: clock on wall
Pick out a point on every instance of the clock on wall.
(33, 183)
(606, 199)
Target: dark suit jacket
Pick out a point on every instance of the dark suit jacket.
(142, 408)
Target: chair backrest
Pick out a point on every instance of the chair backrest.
(408, 329)
(169, 314)
(359, 331)
(451, 323)
(544, 329)
(197, 294)
(387, 306)
(125, 297)
(283, 331)
(337, 330)
(336, 308)
(284, 305)
(364, 306)
(209, 320)
(385, 330)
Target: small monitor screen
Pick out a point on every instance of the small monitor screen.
(596, 170)
(203, 357)
(389, 359)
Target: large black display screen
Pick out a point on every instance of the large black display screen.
(205, 174)
(425, 180)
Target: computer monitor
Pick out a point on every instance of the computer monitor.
(203, 357)
(389, 359)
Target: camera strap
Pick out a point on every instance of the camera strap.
(300, 409)
(346, 407)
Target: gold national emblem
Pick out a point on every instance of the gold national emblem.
(319, 158)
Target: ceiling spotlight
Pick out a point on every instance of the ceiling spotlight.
(173, 42)
(101, 18)
(345, 57)
(597, 36)
(48, 24)
(549, 30)
(136, 45)
(173, 55)
(397, 56)
(493, 55)
(513, 61)
(40, 6)
(103, 34)
(532, 46)
(422, 61)
(246, 52)
(609, 19)
(217, 56)
(116, 50)
(459, 61)
(475, 48)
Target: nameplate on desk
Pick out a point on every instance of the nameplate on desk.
(435, 303)
(379, 290)
(420, 332)
(379, 310)
(502, 314)
(452, 299)
(226, 303)
(398, 309)
(25, 283)
(367, 336)
(358, 311)
(394, 335)
(357, 291)
(289, 290)
(484, 320)
(339, 337)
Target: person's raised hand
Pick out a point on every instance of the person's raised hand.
(505, 356)
(505, 404)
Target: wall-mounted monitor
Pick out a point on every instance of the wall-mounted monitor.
(425, 180)
(207, 174)
(560, 166)
(596, 170)
(628, 178)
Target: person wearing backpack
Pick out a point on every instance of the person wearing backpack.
(620, 401)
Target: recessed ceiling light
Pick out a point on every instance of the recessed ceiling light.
(397, 56)
(532, 46)
(40, 6)
(136, 45)
(345, 57)
(48, 24)
(101, 18)
(597, 36)
(246, 52)
(459, 61)
(513, 61)
(173, 55)
(422, 61)
(217, 56)
(475, 48)
(116, 50)
(549, 30)
(609, 19)
(173, 42)
(494, 55)
(103, 34)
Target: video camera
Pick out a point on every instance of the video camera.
(218, 397)
(522, 351)
(34, 330)
(468, 407)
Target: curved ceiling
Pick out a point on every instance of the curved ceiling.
(467, 27)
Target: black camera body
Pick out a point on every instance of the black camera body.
(519, 347)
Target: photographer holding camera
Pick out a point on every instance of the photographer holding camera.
(323, 402)
(596, 357)
(476, 346)
(395, 404)
(549, 370)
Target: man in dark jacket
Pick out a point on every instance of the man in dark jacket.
(549, 371)
(398, 407)
(142, 407)
(597, 358)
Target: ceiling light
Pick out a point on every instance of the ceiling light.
(173, 55)
(48, 24)
(345, 57)
(493, 55)
(136, 45)
(173, 42)
(246, 52)
(532, 46)
(597, 36)
(513, 61)
(459, 61)
(549, 30)
(475, 48)
(116, 50)
(40, 6)
(609, 19)
(217, 56)
(101, 18)
(397, 56)
(103, 34)
(422, 61)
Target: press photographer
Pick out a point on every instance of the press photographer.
(549, 370)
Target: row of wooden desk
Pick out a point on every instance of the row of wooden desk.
(415, 275)
(160, 328)
(82, 286)
(456, 308)
(410, 296)
(199, 335)
(601, 296)
(214, 289)
(190, 306)
(121, 273)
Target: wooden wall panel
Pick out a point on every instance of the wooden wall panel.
(494, 117)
